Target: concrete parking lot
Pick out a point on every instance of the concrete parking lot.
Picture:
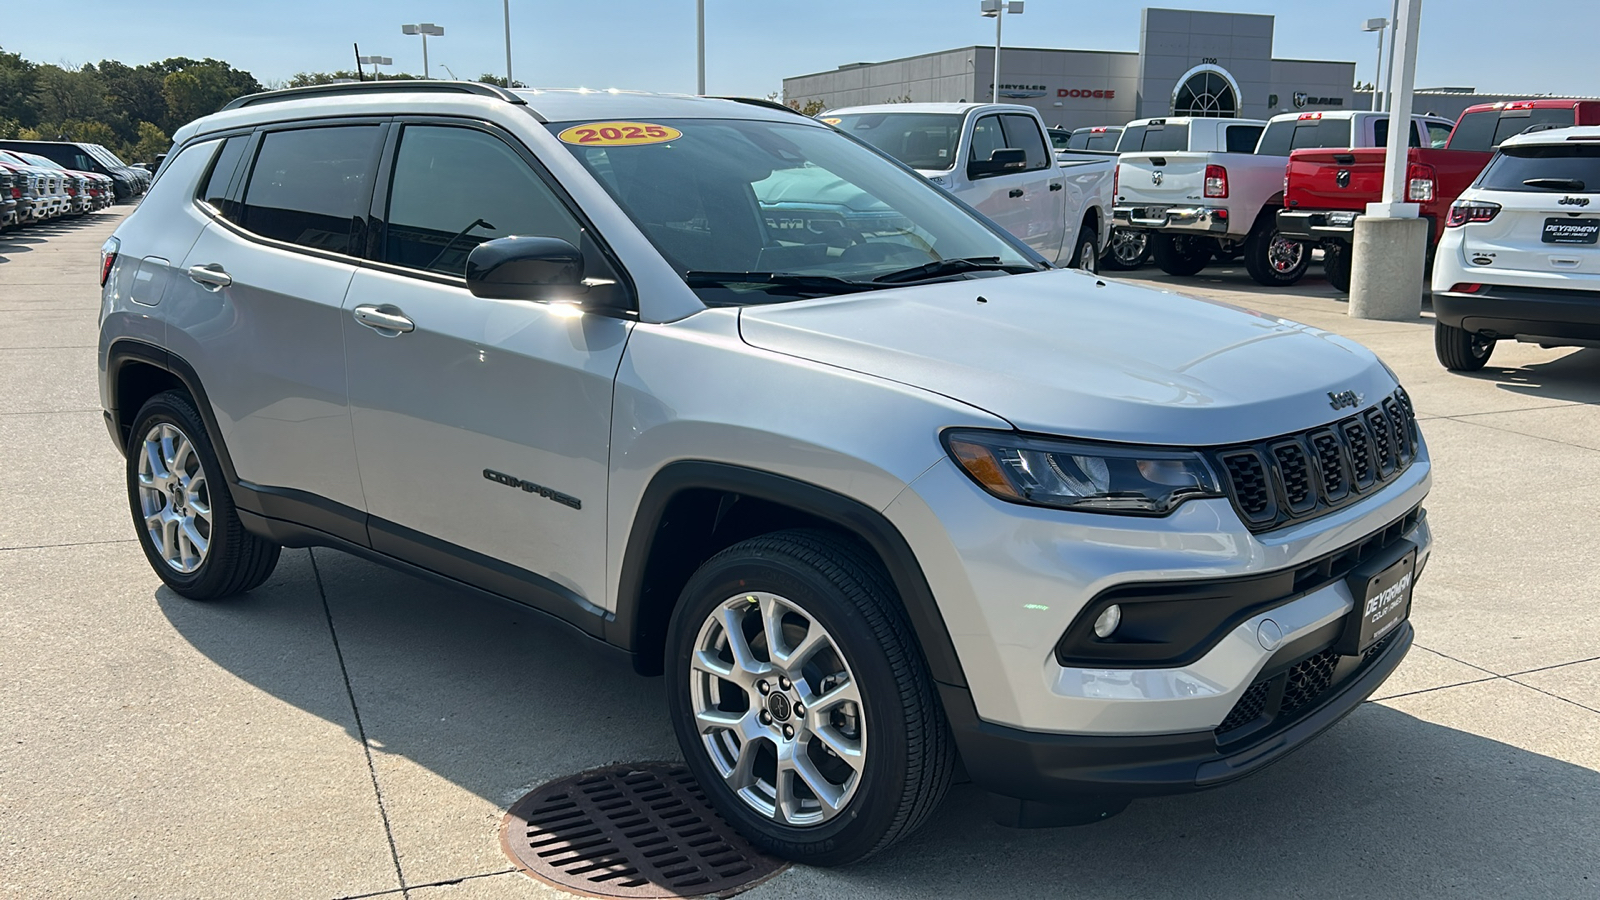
(345, 731)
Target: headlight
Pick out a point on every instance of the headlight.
(1066, 474)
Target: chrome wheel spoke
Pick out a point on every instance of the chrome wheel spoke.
(174, 498)
(793, 747)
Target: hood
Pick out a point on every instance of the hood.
(1063, 352)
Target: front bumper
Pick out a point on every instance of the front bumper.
(1317, 225)
(1531, 314)
(1060, 768)
(1196, 219)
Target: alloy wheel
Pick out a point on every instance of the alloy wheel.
(777, 709)
(1129, 247)
(174, 497)
(1285, 255)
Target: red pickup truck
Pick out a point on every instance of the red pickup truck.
(1325, 190)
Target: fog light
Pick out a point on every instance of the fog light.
(1108, 621)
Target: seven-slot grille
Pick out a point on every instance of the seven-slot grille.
(1295, 477)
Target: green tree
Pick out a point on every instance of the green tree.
(499, 81)
(152, 142)
(193, 89)
(61, 94)
(306, 79)
(135, 93)
(17, 77)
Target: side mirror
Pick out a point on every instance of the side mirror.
(1000, 162)
(525, 268)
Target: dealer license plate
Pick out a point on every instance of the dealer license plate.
(1383, 599)
(1571, 231)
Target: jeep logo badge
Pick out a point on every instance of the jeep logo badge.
(1155, 177)
(1341, 399)
(1574, 201)
(1343, 178)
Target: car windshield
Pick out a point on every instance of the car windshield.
(1561, 168)
(41, 161)
(766, 211)
(920, 140)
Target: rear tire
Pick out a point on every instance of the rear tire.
(182, 509)
(1272, 259)
(881, 750)
(1181, 254)
(1336, 262)
(1129, 248)
(1087, 255)
(1460, 350)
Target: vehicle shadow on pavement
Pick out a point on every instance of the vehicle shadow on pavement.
(1574, 377)
(495, 699)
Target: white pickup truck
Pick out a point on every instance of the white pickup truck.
(1130, 247)
(995, 158)
(1198, 204)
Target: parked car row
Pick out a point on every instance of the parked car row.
(43, 180)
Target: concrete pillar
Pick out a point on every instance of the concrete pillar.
(1386, 276)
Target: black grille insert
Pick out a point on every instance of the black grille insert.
(1295, 477)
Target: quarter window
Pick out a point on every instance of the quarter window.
(215, 192)
(1439, 134)
(309, 186)
(1242, 138)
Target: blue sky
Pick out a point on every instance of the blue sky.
(1510, 46)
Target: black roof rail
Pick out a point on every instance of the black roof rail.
(377, 87)
(762, 101)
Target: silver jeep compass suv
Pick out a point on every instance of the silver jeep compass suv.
(874, 486)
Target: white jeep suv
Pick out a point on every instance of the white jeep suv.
(1518, 259)
(874, 485)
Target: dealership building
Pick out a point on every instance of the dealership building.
(1188, 63)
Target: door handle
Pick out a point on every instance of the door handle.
(1055, 185)
(1016, 192)
(210, 276)
(384, 319)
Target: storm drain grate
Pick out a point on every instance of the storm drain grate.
(642, 830)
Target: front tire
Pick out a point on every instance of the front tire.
(1460, 350)
(1181, 254)
(801, 700)
(1087, 256)
(1272, 259)
(182, 509)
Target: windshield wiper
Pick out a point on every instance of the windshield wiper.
(780, 282)
(1555, 184)
(942, 268)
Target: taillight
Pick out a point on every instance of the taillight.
(1419, 183)
(1216, 181)
(1464, 211)
(1116, 179)
(108, 258)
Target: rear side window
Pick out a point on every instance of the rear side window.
(1561, 168)
(215, 190)
(1079, 140)
(1438, 134)
(435, 218)
(309, 185)
(1242, 138)
(1380, 134)
(1022, 133)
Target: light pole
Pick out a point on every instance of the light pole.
(425, 29)
(700, 47)
(997, 9)
(509, 82)
(1380, 25)
(375, 62)
(1388, 66)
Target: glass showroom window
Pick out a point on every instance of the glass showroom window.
(1206, 92)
